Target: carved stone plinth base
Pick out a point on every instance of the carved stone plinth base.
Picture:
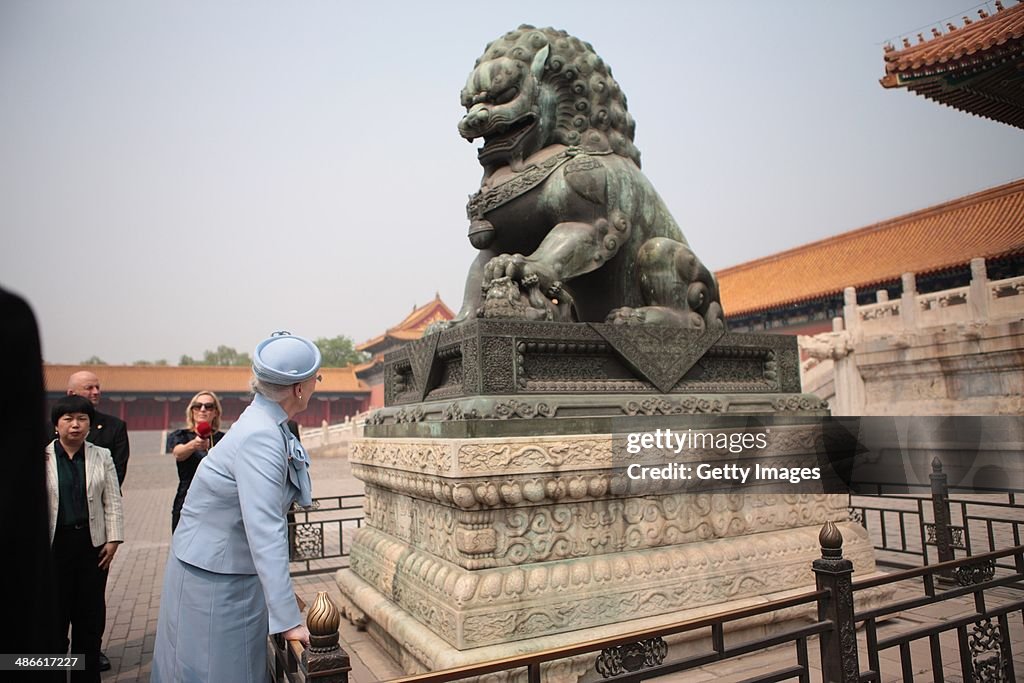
(490, 542)
(516, 536)
(468, 608)
(418, 649)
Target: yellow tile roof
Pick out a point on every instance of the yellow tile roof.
(974, 67)
(413, 325)
(986, 224)
(958, 45)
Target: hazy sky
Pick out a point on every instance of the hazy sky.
(175, 175)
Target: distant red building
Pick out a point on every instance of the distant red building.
(410, 329)
(155, 397)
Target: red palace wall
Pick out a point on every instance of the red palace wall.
(148, 413)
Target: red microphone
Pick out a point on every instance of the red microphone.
(204, 430)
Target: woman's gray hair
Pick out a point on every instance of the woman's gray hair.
(273, 392)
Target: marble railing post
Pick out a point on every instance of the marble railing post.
(977, 298)
(849, 385)
(908, 301)
(850, 313)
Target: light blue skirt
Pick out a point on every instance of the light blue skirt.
(212, 627)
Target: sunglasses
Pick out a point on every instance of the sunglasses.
(204, 406)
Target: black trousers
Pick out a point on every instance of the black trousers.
(80, 600)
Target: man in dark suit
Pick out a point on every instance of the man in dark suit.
(109, 432)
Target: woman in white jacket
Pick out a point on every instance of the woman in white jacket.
(86, 528)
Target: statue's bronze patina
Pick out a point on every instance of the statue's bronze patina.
(568, 227)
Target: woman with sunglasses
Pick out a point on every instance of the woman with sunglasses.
(226, 586)
(189, 448)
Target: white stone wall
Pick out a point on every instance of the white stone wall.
(955, 352)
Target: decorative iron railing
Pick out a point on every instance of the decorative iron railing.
(938, 522)
(319, 536)
(982, 633)
(982, 636)
(324, 661)
(985, 651)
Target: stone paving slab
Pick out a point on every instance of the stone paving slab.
(133, 591)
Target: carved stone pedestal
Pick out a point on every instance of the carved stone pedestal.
(419, 649)
(478, 548)
(503, 523)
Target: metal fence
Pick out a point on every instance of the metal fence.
(319, 536)
(937, 523)
(982, 632)
(986, 650)
(953, 533)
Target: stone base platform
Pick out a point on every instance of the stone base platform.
(519, 495)
(418, 649)
(474, 608)
(477, 547)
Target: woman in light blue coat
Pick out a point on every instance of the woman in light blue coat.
(227, 586)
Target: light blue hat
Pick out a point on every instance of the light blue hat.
(284, 358)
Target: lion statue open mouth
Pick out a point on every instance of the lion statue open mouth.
(568, 227)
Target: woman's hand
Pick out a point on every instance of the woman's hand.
(299, 633)
(184, 451)
(107, 555)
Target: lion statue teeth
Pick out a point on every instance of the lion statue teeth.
(568, 227)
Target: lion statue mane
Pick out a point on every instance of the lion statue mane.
(568, 227)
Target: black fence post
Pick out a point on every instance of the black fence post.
(941, 515)
(839, 661)
(324, 660)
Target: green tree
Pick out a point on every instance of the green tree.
(339, 351)
(223, 355)
(161, 362)
(94, 360)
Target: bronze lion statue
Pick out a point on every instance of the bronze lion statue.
(568, 227)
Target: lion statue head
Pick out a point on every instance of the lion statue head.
(534, 87)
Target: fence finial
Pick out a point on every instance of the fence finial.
(324, 660)
(830, 539)
(323, 620)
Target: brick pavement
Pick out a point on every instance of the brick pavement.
(133, 591)
(133, 588)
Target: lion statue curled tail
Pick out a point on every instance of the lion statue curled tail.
(568, 227)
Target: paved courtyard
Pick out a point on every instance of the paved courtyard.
(133, 591)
